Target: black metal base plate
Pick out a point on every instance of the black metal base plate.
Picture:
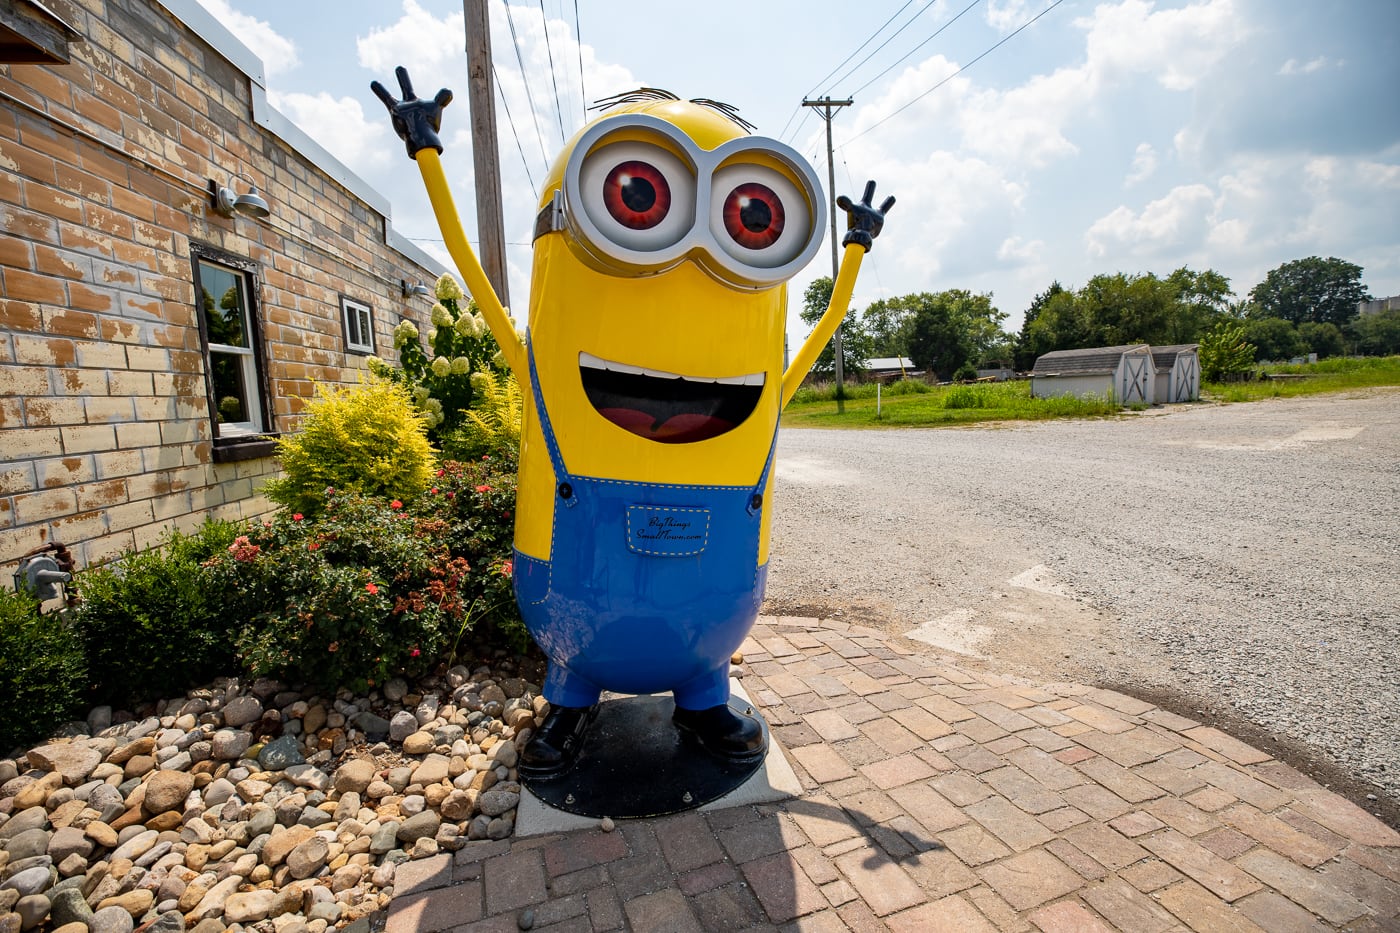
(635, 763)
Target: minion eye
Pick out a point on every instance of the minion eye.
(759, 216)
(638, 195)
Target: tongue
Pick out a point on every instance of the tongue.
(678, 429)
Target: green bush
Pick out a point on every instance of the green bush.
(368, 440)
(42, 671)
(967, 397)
(492, 426)
(441, 380)
(363, 593)
(1224, 352)
(150, 623)
(475, 502)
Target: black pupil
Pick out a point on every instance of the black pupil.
(756, 215)
(638, 194)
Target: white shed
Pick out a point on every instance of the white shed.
(1125, 374)
(1178, 373)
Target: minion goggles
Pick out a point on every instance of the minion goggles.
(639, 197)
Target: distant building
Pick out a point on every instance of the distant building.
(891, 367)
(1125, 373)
(1380, 304)
(1178, 373)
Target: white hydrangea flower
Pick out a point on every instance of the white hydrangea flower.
(441, 316)
(447, 289)
(420, 396)
(441, 366)
(464, 327)
(461, 365)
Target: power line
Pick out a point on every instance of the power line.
(919, 46)
(525, 77)
(549, 47)
(950, 77)
(511, 121)
(833, 71)
(911, 22)
(578, 45)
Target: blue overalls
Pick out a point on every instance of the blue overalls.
(650, 587)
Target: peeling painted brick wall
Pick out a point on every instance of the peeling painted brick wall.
(106, 437)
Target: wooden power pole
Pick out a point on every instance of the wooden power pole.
(827, 108)
(481, 98)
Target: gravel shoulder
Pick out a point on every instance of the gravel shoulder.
(1238, 564)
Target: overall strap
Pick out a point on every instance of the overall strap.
(561, 472)
(756, 499)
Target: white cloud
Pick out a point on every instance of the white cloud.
(428, 46)
(1178, 221)
(1015, 249)
(341, 126)
(1177, 47)
(278, 53)
(1144, 165)
(1294, 67)
(1006, 15)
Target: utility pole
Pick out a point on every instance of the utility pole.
(481, 98)
(828, 108)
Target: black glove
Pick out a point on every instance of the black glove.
(416, 121)
(863, 222)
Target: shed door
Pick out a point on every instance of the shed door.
(1184, 378)
(1136, 371)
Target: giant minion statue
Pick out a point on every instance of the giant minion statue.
(654, 361)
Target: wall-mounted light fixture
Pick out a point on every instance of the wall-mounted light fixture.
(227, 202)
(410, 289)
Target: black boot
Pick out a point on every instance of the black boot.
(555, 746)
(722, 732)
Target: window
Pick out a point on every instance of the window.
(359, 326)
(226, 305)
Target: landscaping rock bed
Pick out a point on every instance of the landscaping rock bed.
(250, 806)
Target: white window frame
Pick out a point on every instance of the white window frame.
(248, 362)
(357, 320)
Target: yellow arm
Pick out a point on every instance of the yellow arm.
(840, 300)
(473, 276)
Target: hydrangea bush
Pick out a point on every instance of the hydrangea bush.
(439, 378)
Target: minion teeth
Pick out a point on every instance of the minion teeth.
(668, 407)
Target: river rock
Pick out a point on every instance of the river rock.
(29, 881)
(72, 761)
(249, 906)
(32, 910)
(124, 753)
(497, 802)
(419, 743)
(280, 844)
(242, 710)
(354, 776)
(308, 858)
(167, 790)
(69, 841)
(68, 906)
(230, 744)
(418, 826)
(28, 844)
(402, 725)
(110, 920)
(281, 753)
(36, 793)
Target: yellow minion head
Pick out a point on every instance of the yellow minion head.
(664, 239)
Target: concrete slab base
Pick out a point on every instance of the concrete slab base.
(774, 780)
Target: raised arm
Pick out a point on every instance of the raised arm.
(417, 122)
(863, 225)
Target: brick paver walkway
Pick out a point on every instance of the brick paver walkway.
(938, 799)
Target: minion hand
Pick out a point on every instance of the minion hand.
(863, 222)
(416, 121)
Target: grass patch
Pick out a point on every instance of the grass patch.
(1333, 375)
(903, 406)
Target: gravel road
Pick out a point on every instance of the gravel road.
(1237, 562)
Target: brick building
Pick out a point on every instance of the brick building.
(152, 340)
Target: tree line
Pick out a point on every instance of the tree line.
(1303, 306)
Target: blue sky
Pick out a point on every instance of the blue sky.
(1117, 136)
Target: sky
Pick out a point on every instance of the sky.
(1027, 141)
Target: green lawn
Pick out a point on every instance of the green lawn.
(910, 404)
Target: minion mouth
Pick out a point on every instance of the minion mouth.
(668, 407)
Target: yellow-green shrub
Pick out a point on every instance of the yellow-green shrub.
(491, 427)
(367, 439)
